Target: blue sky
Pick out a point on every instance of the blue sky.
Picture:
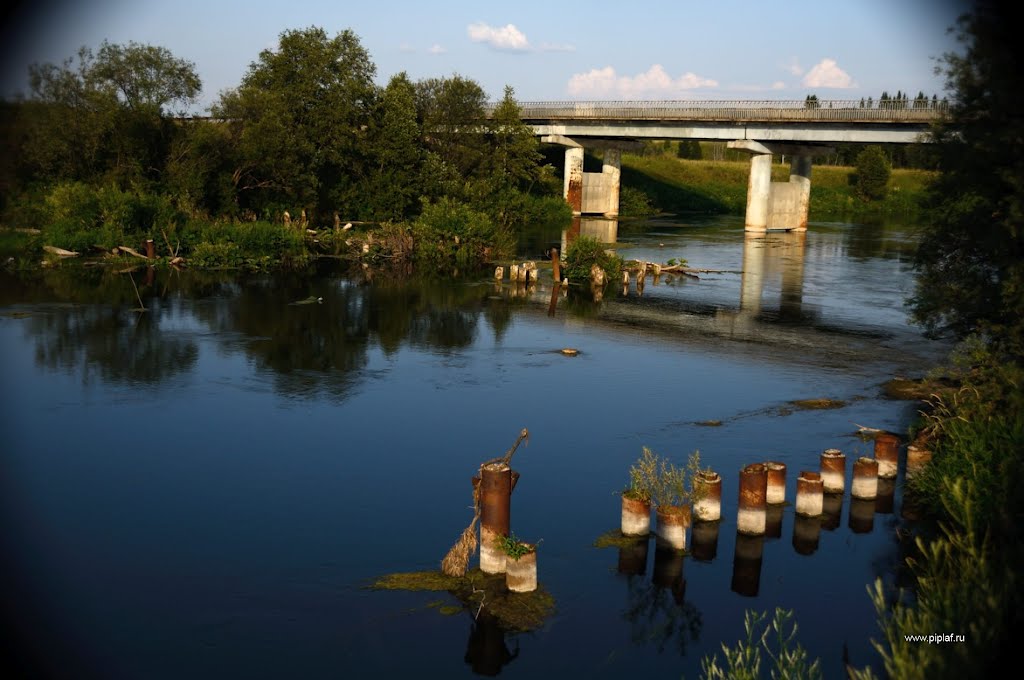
(686, 49)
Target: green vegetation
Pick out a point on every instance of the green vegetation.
(586, 251)
(643, 475)
(656, 479)
(515, 548)
(720, 187)
(786, 659)
(98, 158)
(872, 176)
(515, 612)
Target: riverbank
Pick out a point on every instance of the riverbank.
(675, 185)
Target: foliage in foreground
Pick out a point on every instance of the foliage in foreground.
(768, 648)
(586, 251)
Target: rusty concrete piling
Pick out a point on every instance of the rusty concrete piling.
(806, 532)
(495, 513)
(887, 453)
(776, 493)
(833, 471)
(750, 518)
(704, 546)
(672, 524)
(636, 516)
(862, 515)
(865, 479)
(499, 273)
(708, 507)
(521, 574)
(746, 565)
(810, 490)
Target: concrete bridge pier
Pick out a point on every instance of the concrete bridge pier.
(777, 205)
(593, 193)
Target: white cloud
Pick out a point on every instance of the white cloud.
(778, 85)
(793, 66)
(406, 47)
(436, 49)
(826, 73)
(507, 37)
(654, 81)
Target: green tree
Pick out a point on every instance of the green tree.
(299, 122)
(452, 112)
(514, 160)
(971, 257)
(393, 184)
(811, 102)
(872, 173)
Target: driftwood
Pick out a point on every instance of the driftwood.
(131, 251)
(60, 251)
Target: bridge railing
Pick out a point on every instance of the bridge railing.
(843, 110)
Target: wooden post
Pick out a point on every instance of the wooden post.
(150, 249)
(555, 271)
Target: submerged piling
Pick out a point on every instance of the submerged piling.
(495, 512)
(833, 471)
(865, 479)
(776, 482)
(709, 506)
(810, 491)
(887, 453)
(750, 518)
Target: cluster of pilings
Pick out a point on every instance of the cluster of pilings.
(494, 486)
(525, 273)
(762, 501)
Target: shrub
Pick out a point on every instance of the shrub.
(449, 233)
(872, 174)
(586, 251)
(635, 202)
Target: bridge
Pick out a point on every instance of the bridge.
(800, 129)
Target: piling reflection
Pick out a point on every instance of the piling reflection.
(633, 557)
(705, 541)
(746, 564)
(885, 500)
(773, 521)
(487, 652)
(806, 531)
(862, 515)
(831, 511)
(660, 615)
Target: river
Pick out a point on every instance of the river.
(204, 490)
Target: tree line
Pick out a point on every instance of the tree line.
(306, 132)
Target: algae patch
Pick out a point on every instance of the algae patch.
(616, 539)
(515, 612)
(709, 423)
(818, 404)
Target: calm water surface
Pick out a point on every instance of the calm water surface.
(205, 490)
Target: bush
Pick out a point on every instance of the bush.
(587, 251)
(872, 174)
(635, 202)
(449, 233)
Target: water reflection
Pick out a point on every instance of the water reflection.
(487, 652)
(746, 565)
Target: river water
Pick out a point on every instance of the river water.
(204, 490)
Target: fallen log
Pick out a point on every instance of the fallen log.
(60, 251)
(131, 251)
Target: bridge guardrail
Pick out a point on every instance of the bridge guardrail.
(736, 110)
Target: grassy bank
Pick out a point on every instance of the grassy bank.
(720, 187)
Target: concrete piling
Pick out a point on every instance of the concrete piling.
(709, 490)
(810, 490)
(636, 517)
(495, 513)
(751, 518)
(672, 524)
(887, 453)
(776, 482)
(833, 471)
(521, 574)
(865, 479)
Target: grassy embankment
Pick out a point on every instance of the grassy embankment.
(675, 185)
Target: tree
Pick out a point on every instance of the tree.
(452, 112)
(811, 102)
(970, 260)
(514, 160)
(299, 120)
(872, 173)
(145, 76)
(393, 184)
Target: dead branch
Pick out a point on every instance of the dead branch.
(60, 251)
(131, 251)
